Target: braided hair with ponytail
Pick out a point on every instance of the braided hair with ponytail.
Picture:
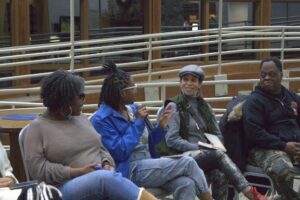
(113, 85)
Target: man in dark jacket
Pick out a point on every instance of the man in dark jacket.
(271, 119)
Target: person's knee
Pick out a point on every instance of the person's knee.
(104, 177)
(105, 182)
(190, 183)
(216, 154)
(219, 154)
(280, 168)
(191, 164)
(188, 160)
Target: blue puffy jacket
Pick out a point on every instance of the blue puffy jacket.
(121, 136)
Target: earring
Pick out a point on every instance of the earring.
(198, 92)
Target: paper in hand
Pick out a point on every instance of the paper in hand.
(215, 142)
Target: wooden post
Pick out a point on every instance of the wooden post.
(156, 26)
(205, 25)
(2, 16)
(43, 24)
(156, 16)
(147, 16)
(265, 20)
(84, 30)
(20, 33)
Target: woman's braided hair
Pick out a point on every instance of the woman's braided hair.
(113, 85)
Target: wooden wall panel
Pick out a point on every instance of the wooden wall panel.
(84, 29)
(205, 24)
(20, 32)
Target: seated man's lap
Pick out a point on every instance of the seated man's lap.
(278, 165)
(271, 161)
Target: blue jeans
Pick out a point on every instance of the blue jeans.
(181, 176)
(100, 184)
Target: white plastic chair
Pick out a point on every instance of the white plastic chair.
(21, 144)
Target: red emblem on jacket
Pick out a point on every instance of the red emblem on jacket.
(294, 106)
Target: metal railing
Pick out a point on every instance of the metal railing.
(65, 52)
(154, 104)
(145, 45)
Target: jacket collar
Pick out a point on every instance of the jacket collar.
(105, 111)
(259, 90)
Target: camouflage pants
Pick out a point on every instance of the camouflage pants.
(278, 165)
(219, 170)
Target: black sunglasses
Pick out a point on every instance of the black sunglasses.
(81, 96)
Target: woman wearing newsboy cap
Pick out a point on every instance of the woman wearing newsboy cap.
(193, 118)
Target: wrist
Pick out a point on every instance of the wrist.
(12, 179)
(164, 129)
(75, 172)
(284, 147)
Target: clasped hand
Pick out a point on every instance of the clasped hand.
(6, 181)
(293, 149)
(89, 168)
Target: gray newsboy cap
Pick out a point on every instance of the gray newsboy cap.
(192, 69)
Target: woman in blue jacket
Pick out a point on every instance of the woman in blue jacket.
(122, 127)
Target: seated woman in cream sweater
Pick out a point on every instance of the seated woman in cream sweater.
(63, 149)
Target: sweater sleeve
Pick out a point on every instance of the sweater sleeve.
(35, 157)
(173, 138)
(106, 157)
(253, 122)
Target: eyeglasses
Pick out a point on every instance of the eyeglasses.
(130, 88)
(270, 74)
(81, 96)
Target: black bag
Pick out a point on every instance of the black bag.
(231, 126)
(39, 191)
(162, 148)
